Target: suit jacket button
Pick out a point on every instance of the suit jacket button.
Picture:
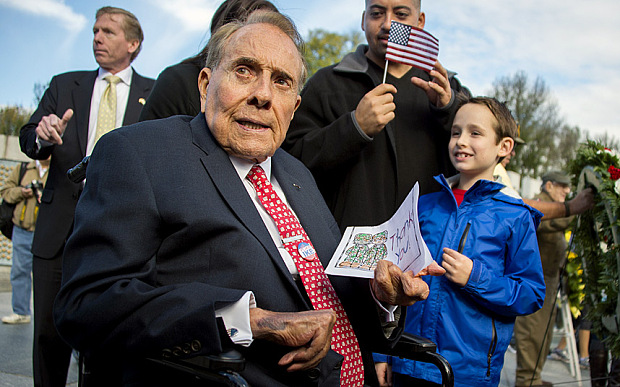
(166, 353)
(338, 365)
(177, 351)
(187, 348)
(313, 373)
(196, 346)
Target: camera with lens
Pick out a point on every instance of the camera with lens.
(36, 187)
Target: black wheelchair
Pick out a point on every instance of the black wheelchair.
(224, 369)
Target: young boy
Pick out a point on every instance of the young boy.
(485, 237)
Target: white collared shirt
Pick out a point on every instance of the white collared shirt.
(243, 167)
(122, 94)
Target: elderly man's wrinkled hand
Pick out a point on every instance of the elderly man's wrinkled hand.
(308, 332)
(393, 286)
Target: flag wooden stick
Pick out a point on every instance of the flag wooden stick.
(385, 70)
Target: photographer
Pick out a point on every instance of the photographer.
(26, 194)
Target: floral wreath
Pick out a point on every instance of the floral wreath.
(596, 239)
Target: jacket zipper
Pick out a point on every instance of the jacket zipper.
(464, 238)
(491, 348)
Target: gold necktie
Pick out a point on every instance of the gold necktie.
(106, 118)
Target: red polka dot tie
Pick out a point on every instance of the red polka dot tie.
(312, 274)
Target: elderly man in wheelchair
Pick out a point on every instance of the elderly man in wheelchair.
(197, 236)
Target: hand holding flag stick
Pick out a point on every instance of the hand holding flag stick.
(411, 46)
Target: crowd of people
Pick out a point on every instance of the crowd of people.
(215, 196)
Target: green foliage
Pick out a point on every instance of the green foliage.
(595, 240)
(324, 48)
(12, 118)
(551, 143)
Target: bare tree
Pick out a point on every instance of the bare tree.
(551, 143)
(39, 89)
(607, 140)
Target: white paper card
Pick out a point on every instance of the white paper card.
(398, 240)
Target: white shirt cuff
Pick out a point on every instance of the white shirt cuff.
(42, 143)
(236, 317)
(388, 315)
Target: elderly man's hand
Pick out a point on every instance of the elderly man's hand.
(582, 202)
(395, 287)
(309, 332)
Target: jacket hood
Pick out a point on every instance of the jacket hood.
(354, 62)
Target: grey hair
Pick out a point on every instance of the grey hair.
(220, 38)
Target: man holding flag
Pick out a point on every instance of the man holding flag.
(366, 141)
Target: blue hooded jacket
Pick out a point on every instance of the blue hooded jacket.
(472, 325)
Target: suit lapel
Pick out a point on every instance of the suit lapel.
(82, 95)
(233, 192)
(140, 89)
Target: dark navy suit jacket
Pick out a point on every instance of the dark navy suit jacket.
(165, 234)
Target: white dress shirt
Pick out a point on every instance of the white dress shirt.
(122, 94)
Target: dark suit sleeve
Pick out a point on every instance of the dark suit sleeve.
(111, 299)
(27, 134)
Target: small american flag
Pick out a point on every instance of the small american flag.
(412, 46)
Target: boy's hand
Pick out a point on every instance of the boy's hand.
(458, 267)
(384, 374)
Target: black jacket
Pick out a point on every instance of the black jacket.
(365, 180)
(175, 92)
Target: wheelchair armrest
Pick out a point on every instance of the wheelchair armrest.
(408, 344)
(423, 350)
(225, 361)
(222, 368)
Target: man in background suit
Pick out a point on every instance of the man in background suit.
(178, 256)
(65, 126)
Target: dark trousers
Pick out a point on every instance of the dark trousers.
(50, 355)
(400, 380)
(601, 376)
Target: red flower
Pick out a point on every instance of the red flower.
(614, 172)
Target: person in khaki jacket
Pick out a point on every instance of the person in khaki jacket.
(532, 340)
(26, 194)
